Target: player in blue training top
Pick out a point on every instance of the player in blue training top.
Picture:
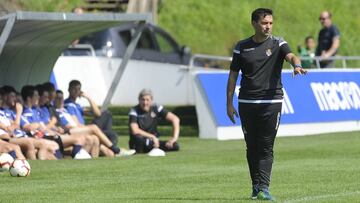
(34, 148)
(70, 123)
(102, 120)
(81, 146)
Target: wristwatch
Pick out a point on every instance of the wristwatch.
(297, 66)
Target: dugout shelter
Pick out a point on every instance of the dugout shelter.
(31, 42)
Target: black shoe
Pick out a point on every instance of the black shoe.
(115, 149)
(255, 192)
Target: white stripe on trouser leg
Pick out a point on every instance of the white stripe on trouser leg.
(277, 121)
(244, 130)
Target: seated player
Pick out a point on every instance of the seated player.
(143, 119)
(7, 131)
(102, 120)
(32, 123)
(81, 146)
(10, 116)
(48, 112)
(75, 128)
(12, 149)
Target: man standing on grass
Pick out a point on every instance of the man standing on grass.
(260, 59)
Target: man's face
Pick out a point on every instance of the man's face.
(44, 99)
(52, 95)
(59, 100)
(264, 26)
(35, 98)
(325, 19)
(145, 102)
(75, 91)
(10, 99)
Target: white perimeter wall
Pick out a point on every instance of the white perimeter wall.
(171, 84)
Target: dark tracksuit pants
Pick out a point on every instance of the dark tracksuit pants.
(260, 123)
(104, 122)
(144, 145)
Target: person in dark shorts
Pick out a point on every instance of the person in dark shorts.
(143, 120)
(260, 59)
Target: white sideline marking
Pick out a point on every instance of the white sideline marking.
(310, 198)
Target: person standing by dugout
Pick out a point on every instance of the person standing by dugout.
(260, 59)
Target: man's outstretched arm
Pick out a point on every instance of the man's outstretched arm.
(296, 63)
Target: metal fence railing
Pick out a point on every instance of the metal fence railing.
(221, 62)
(343, 59)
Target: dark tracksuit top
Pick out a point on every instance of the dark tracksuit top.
(260, 65)
(147, 121)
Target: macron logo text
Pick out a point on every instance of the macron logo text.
(336, 96)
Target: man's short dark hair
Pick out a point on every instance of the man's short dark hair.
(48, 86)
(40, 88)
(27, 91)
(59, 92)
(6, 90)
(260, 12)
(74, 83)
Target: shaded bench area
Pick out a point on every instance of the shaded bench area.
(31, 42)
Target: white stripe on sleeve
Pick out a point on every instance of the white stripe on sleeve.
(133, 113)
(281, 43)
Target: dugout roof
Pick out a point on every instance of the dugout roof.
(31, 42)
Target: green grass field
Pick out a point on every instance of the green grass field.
(322, 168)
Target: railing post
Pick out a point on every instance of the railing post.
(191, 62)
(317, 63)
(119, 72)
(344, 62)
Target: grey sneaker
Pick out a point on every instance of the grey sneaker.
(124, 152)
